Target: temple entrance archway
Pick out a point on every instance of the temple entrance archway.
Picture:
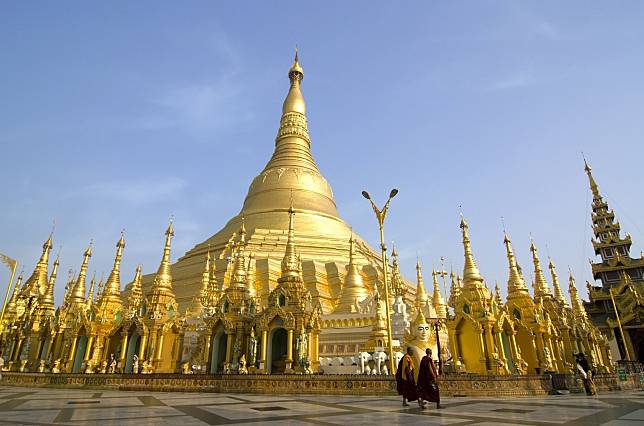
(218, 351)
(133, 345)
(277, 342)
(79, 352)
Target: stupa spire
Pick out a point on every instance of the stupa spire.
(541, 288)
(135, 297)
(593, 185)
(577, 305)
(11, 306)
(290, 262)
(497, 295)
(163, 278)
(438, 301)
(353, 291)
(48, 297)
(113, 284)
(559, 296)
(455, 289)
(421, 293)
(36, 284)
(516, 283)
(471, 274)
(90, 293)
(78, 293)
(292, 168)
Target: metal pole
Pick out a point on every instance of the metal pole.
(6, 296)
(438, 347)
(619, 324)
(385, 273)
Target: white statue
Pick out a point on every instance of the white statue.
(397, 357)
(399, 318)
(379, 357)
(135, 364)
(56, 368)
(89, 368)
(104, 367)
(252, 356)
(363, 362)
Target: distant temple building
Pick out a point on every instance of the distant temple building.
(619, 274)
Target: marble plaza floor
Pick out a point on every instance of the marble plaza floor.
(29, 406)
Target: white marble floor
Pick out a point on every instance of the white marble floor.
(30, 406)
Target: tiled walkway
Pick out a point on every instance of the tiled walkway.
(57, 406)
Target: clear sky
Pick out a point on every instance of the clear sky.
(118, 114)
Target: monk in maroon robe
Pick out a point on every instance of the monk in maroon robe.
(428, 380)
(405, 383)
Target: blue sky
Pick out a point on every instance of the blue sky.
(117, 115)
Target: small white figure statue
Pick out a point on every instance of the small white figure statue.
(56, 368)
(89, 368)
(135, 364)
(104, 367)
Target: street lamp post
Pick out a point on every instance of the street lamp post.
(380, 215)
(437, 324)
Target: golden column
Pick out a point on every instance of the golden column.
(142, 346)
(88, 349)
(380, 215)
(289, 350)
(264, 343)
(619, 324)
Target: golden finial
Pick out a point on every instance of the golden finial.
(78, 293)
(516, 283)
(471, 274)
(113, 284)
(541, 288)
(163, 277)
(593, 185)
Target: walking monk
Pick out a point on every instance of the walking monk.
(428, 380)
(405, 379)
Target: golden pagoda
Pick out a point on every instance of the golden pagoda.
(339, 269)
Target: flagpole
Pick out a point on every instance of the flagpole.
(6, 296)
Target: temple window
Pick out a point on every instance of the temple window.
(516, 313)
(281, 300)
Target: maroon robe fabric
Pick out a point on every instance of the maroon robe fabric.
(427, 383)
(405, 383)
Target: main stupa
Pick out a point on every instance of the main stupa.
(291, 177)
